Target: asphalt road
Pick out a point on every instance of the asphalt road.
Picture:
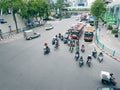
(24, 67)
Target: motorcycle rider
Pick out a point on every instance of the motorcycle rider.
(56, 43)
(94, 52)
(89, 58)
(59, 35)
(62, 38)
(81, 58)
(53, 41)
(46, 48)
(100, 54)
(111, 77)
(77, 42)
(83, 47)
(77, 54)
(71, 46)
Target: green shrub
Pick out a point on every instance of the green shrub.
(110, 27)
(114, 31)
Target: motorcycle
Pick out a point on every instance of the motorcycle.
(88, 62)
(59, 35)
(100, 58)
(62, 38)
(82, 49)
(56, 46)
(76, 57)
(46, 50)
(94, 54)
(81, 63)
(71, 49)
(106, 78)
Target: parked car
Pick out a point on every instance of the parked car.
(30, 34)
(48, 26)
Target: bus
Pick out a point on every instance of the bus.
(89, 33)
(77, 31)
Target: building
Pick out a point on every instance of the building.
(114, 9)
(82, 2)
(108, 1)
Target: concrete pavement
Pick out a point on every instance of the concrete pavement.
(109, 41)
(24, 67)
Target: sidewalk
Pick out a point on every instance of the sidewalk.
(111, 43)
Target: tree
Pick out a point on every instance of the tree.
(98, 8)
(59, 5)
(11, 6)
(34, 9)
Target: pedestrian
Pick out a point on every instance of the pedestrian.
(10, 29)
(1, 34)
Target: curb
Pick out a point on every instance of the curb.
(9, 37)
(117, 59)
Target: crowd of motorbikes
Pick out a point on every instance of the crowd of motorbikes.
(78, 57)
(72, 43)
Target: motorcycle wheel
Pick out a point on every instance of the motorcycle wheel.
(81, 64)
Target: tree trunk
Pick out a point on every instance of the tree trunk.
(14, 17)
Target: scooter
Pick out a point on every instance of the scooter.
(59, 35)
(81, 63)
(46, 50)
(110, 82)
(105, 78)
(100, 58)
(89, 63)
(71, 49)
(94, 54)
(76, 57)
(83, 50)
(56, 46)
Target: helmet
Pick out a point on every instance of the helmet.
(82, 45)
(45, 44)
(81, 57)
(111, 74)
(56, 36)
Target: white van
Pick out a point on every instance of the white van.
(30, 34)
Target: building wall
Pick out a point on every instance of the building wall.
(82, 2)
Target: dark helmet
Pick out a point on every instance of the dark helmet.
(56, 36)
(101, 53)
(77, 52)
(111, 74)
(81, 57)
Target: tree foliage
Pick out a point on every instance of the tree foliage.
(98, 8)
(34, 9)
(11, 6)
